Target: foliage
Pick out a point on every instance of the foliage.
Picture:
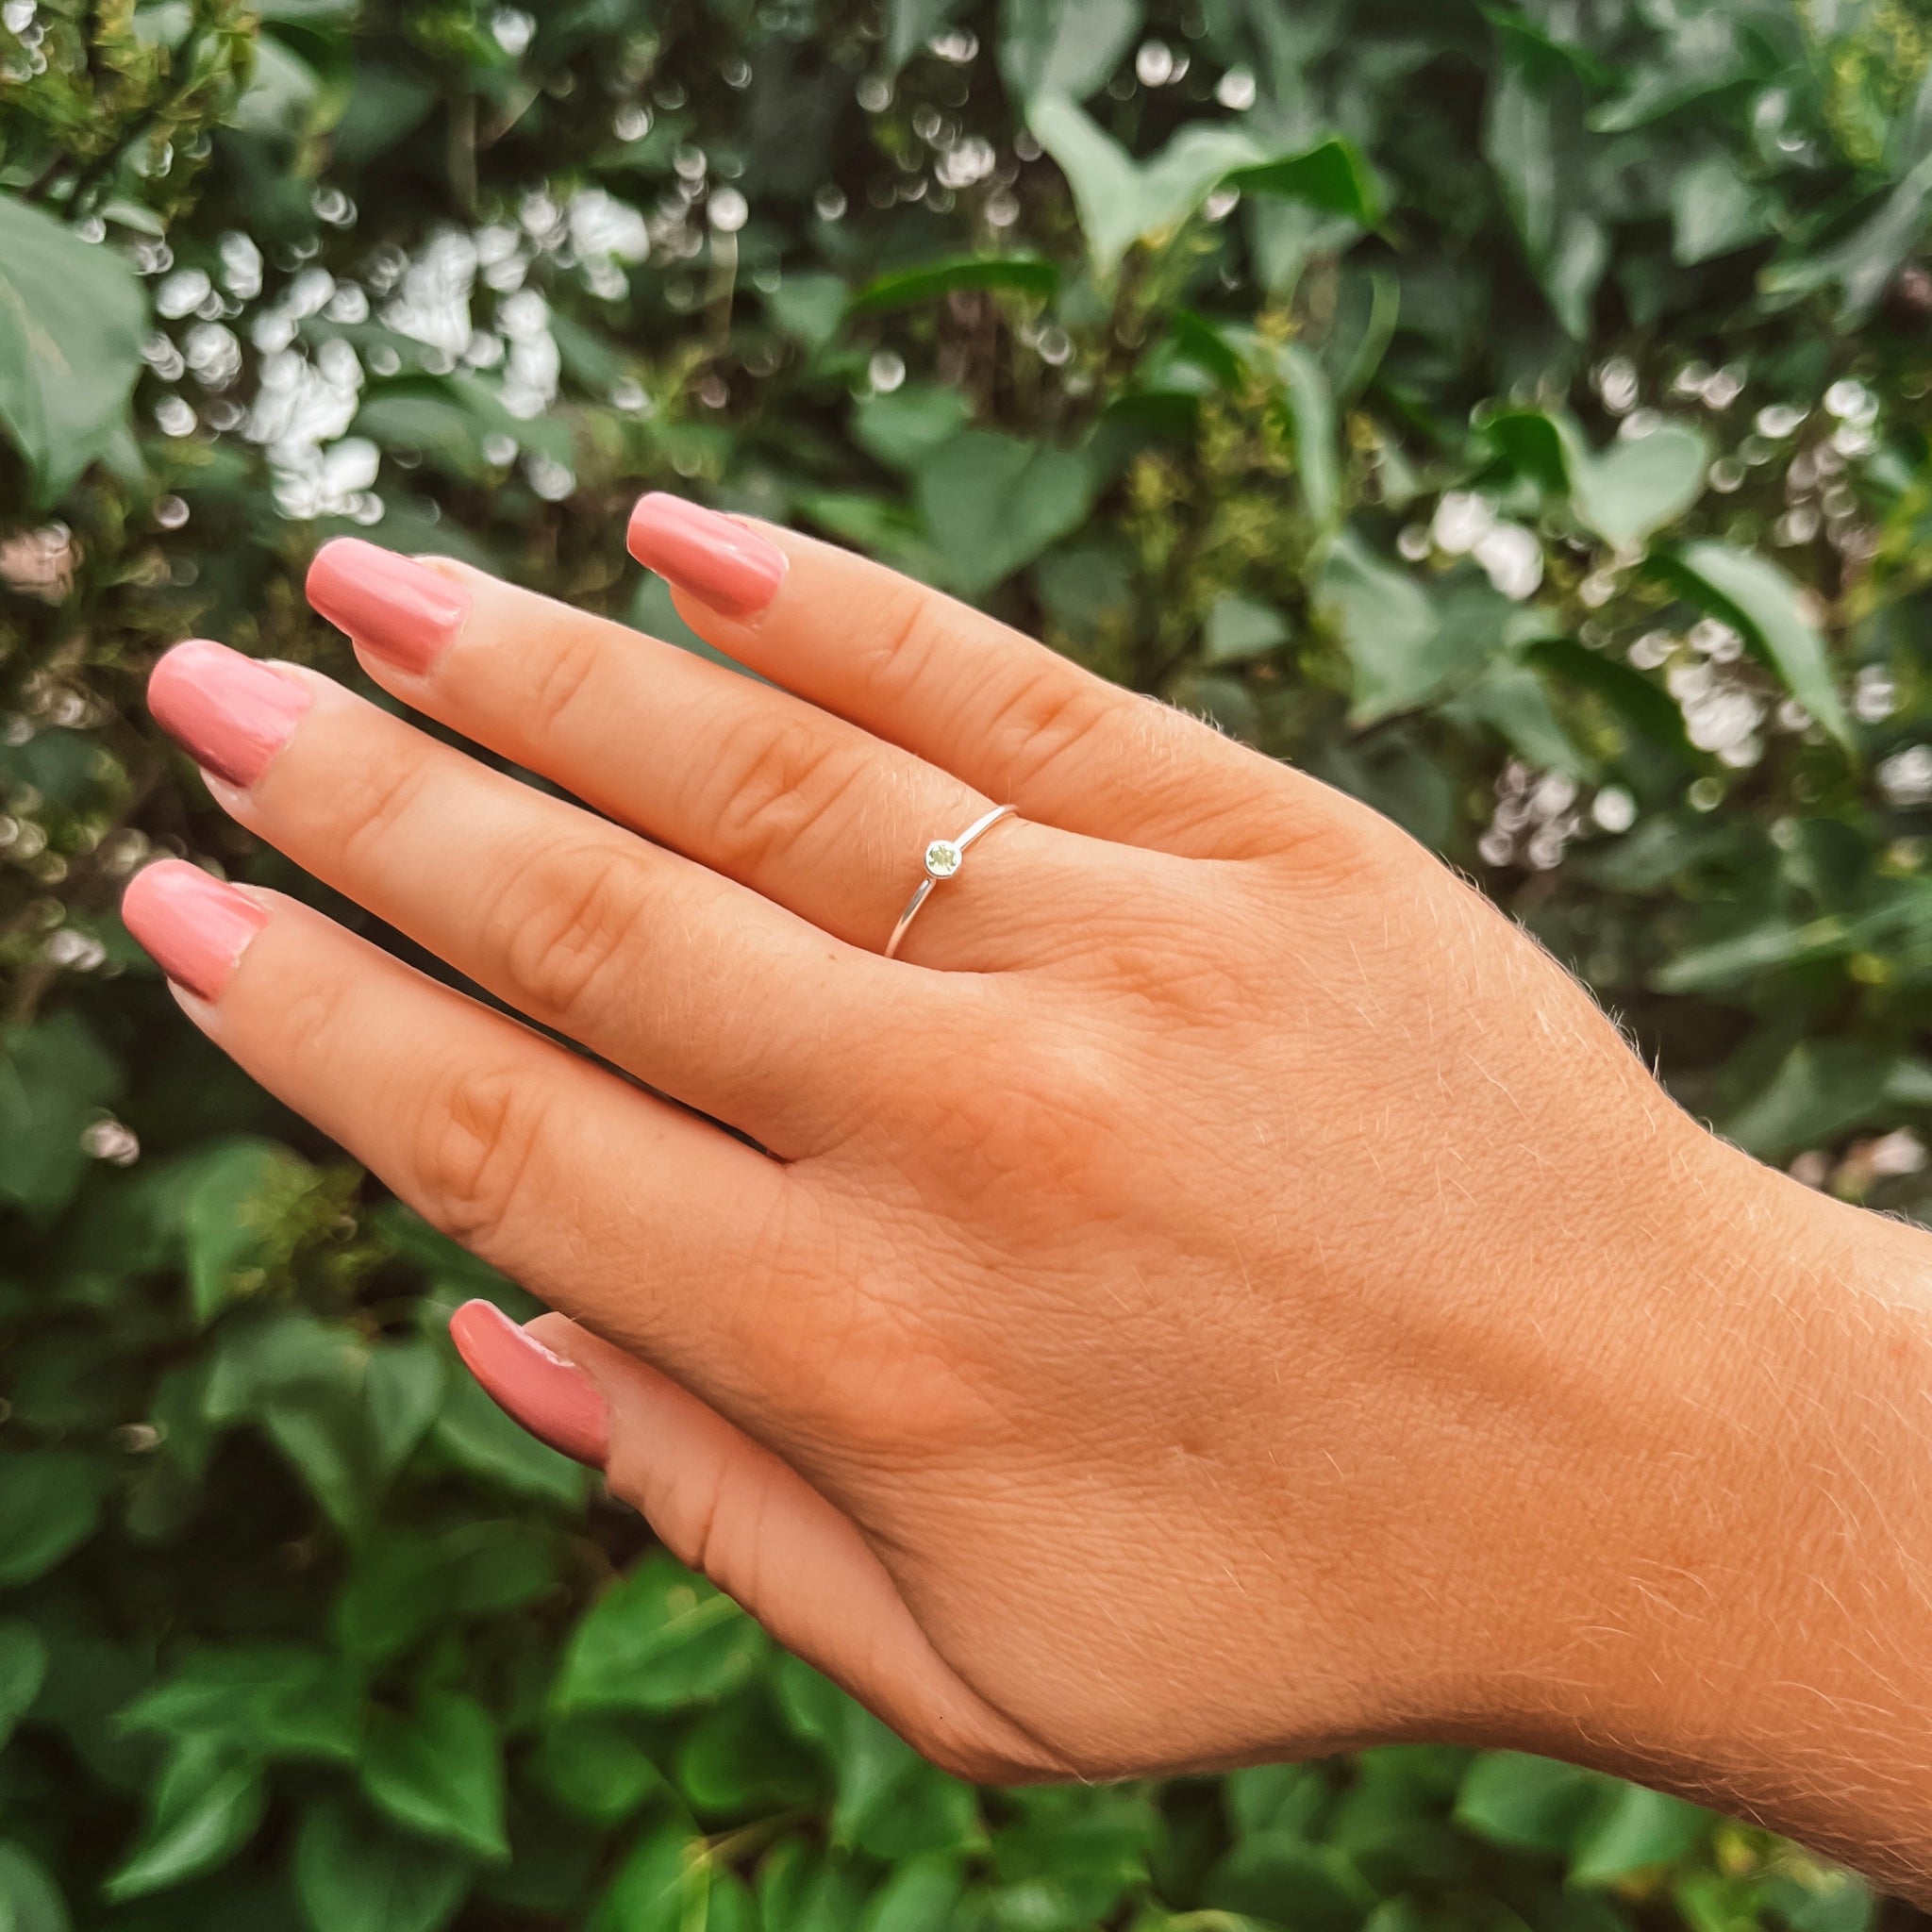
(1517, 414)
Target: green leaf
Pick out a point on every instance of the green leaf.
(910, 24)
(1331, 176)
(423, 419)
(992, 503)
(55, 1080)
(1405, 645)
(891, 1802)
(354, 1874)
(1122, 201)
(1317, 460)
(284, 96)
(1646, 709)
(919, 1895)
(810, 307)
(204, 1809)
(439, 1771)
(490, 1568)
(669, 1883)
(29, 1899)
(273, 1700)
(1714, 210)
(805, 1890)
(1634, 1830)
(1762, 602)
(1286, 1798)
(1106, 186)
(1387, 622)
(660, 1639)
(1527, 1804)
(1822, 1088)
(301, 1382)
(392, 1596)
(1063, 46)
(402, 1391)
(228, 1218)
(1239, 629)
(1512, 702)
(1636, 488)
(1862, 265)
(50, 1500)
(1274, 1877)
(1073, 1853)
(732, 1764)
(1766, 948)
(1088, 589)
(71, 318)
(1021, 275)
(23, 1670)
(906, 426)
(1706, 53)
(596, 1768)
(1533, 145)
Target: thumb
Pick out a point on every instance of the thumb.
(727, 1507)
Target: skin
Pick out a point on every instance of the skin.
(1225, 1294)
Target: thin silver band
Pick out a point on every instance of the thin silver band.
(943, 859)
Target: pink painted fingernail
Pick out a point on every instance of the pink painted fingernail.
(393, 605)
(721, 562)
(195, 927)
(231, 712)
(537, 1389)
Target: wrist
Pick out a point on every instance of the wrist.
(1753, 1629)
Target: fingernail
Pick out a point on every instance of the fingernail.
(722, 563)
(231, 712)
(195, 927)
(391, 605)
(538, 1390)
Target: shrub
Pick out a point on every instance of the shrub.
(1516, 415)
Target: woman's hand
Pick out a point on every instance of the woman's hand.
(1221, 1293)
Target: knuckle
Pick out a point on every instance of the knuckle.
(782, 783)
(572, 657)
(477, 1141)
(564, 926)
(319, 1012)
(1051, 713)
(910, 639)
(371, 801)
(1047, 1110)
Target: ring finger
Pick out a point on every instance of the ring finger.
(807, 809)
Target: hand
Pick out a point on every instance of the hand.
(1223, 1294)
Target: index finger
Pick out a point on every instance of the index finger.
(651, 1225)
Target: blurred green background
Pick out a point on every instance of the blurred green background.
(1518, 414)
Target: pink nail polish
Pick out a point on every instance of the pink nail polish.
(195, 927)
(538, 1390)
(231, 712)
(721, 562)
(391, 605)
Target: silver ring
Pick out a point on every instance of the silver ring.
(943, 859)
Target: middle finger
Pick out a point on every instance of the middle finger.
(705, 991)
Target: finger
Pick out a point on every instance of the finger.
(550, 1168)
(1012, 719)
(727, 1507)
(804, 807)
(699, 987)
